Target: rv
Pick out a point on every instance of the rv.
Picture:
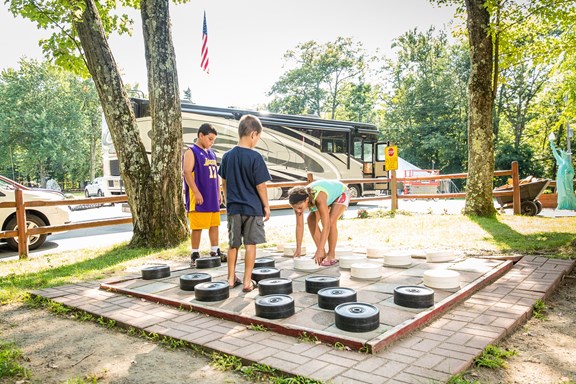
(291, 145)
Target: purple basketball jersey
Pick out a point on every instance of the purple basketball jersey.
(206, 178)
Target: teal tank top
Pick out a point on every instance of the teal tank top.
(332, 188)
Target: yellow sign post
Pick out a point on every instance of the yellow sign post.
(391, 158)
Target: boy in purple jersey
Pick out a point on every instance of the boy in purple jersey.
(202, 191)
(244, 175)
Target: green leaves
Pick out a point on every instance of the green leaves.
(63, 46)
(320, 78)
(425, 112)
(49, 120)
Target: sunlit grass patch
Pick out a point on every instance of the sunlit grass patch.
(10, 359)
(493, 357)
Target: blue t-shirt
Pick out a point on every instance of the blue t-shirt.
(243, 169)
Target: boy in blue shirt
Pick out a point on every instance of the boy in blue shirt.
(244, 175)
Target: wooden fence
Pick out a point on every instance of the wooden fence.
(23, 232)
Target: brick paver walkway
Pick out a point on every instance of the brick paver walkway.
(436, 352)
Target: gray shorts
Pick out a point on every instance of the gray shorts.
(247, 230)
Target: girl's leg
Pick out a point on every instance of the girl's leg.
(313, 220)
(336, 211)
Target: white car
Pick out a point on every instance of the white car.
(95, 188)
(104, 186)
(35, 216)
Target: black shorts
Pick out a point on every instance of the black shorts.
(247, 230)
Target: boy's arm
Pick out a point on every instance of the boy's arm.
(220, 190)
(263, 194)
(187, 170)
(224, 191)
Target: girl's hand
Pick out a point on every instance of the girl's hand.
(297, 252)
(319, 256)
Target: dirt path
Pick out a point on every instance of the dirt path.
(59, 349)
(546, 348)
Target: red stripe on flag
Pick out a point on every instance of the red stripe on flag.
(204, 54)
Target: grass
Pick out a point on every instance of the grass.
(539, 308)
(10, 358)
(460, 379)
(503, 234)
(19, 276)
(493, 357)
(257, 327)
(305, 337)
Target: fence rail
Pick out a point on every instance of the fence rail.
(23, 232)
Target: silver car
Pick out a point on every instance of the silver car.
(35, 216)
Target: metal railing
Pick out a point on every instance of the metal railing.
(24, 232)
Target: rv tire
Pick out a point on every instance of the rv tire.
(354, 191)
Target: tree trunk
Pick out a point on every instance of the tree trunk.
(166, 199)
(140, 185)
(42, 174)
(479, 200)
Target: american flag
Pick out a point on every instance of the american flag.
(204, 56)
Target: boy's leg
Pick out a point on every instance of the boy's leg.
(232, 257)
(196, 226)
(252, 233)
(213, 234)
(234, 243)
(195, 238)
(249, 259)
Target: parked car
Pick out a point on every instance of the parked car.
(35, 216)
(5, 180)
(104, 186)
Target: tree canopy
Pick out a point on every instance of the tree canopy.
(50, 121)
(79, 43)
(426, 108)
(322, 79)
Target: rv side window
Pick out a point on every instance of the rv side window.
(380, 148)
(368, 155)
(114, 167)
(357, 149)
(333, 144)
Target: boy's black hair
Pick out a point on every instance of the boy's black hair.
(206, 129)
(249, 124)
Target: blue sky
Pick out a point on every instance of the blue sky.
(247, 40)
